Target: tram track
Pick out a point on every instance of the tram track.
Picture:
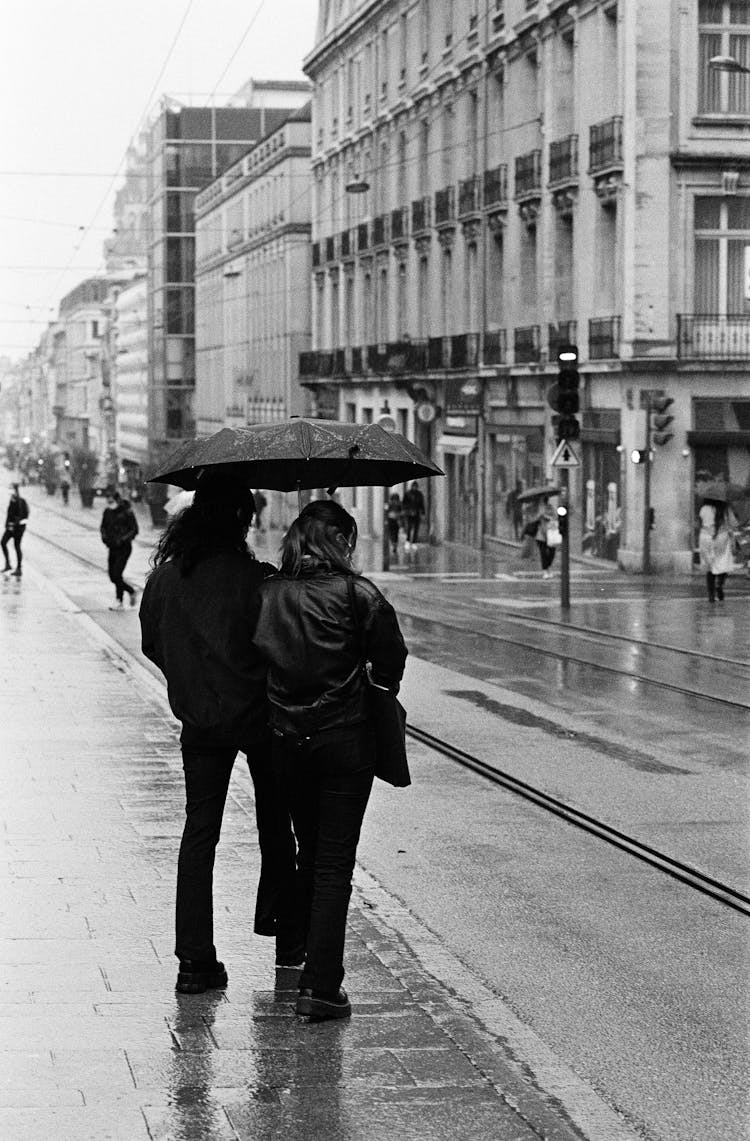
(678, 870)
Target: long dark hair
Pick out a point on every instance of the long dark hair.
(217, 520)
(720, 513)
(313, 536)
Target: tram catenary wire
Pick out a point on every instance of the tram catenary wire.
(678, 870)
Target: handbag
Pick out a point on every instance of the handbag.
(387, 716)
(553, 538)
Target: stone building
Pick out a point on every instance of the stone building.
(519, 174)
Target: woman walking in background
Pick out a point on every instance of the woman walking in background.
(195, 623)
(715, 545)
(323, 746)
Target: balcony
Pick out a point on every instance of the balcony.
(308, 365)
(468, 197)
(563, 161)
(357, 361)
(380, 230)
(494, 347)
(605, 145)
(399, 224)
(706, 336)
(464, 350)
(496, 187)
(420, 216)
(604, 338)
(438, 352)
(338, 365)
(445, 206)
(377, 358)
(316, 254)
(529, 175)
(563, 333)
(526, 345)
(363, 237)
(345, 243)
(325, 363)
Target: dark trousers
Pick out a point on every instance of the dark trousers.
(116, 563)
(546, 555)
(16, 534)
(411, 526)
(326, 779)
(207, 763)
(715, 586)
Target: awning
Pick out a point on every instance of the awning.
(457, 445)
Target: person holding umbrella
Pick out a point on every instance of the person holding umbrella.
(195, 625)
(315, 646)
(715, 541)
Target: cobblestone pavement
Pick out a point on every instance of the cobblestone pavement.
(95, 1043)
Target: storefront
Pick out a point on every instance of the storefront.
(601, 490)
(515, 453)
(457, 455)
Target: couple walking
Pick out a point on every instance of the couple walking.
(271, 664)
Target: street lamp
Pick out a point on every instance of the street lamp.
(727, 63)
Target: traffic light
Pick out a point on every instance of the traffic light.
(660, 421)
(639, 456)
(568, 400)
(562, 519)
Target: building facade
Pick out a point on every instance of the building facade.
(188, 148)
(129, 341)
(253, 283)
(493, 178)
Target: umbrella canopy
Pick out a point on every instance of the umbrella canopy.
(536, 493)
(294, 454)
(721, 492)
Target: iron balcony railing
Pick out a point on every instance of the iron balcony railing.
(357, 362)
(308, 364)
(445, 205)
(438, 352)
(710, 336)
(468, 196)
(325, 363)
(363, 237)
(605, 144)
(464, 350)
(563, 333)
(563, 159)
(496, 186)
(529, 174)
(377, 358)
(604, 338)
(338, 367)
(526, 344)
(494, 346)
(399, 223)
(380, 230)
(420, 215)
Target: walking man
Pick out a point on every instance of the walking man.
(118, 529)
(15, 528)
(413, 508)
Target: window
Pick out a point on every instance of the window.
(424, 297)
(722, 256)
(723, 29)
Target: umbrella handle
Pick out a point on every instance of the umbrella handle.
(299, 497)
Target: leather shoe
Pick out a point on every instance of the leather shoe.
(195, 976)
(317, 1005)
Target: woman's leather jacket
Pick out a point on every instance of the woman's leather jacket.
(306, 632)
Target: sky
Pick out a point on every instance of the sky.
(77, 78)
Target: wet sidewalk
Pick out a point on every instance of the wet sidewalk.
(95, 1044)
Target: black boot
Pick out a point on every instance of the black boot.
(318, 1006)
(197, 975)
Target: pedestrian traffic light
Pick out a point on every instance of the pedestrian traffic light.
(660, 421)
(568, 400)
(562, 519)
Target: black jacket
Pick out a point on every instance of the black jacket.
(118, 526)
(196, 628)
(305, 631)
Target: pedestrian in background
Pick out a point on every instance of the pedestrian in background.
(413, 508)
(65, 487)
(393, 515)
(715, 545)
(260, 506)
(548, 537)
(118, 529)
(323, 743)
(195, 625)
(15, 529)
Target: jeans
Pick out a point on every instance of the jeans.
(207, 760)
(546, 554)
(715, 586)
(411, 525)
(116, 563)
(326, 779)
(16, 534)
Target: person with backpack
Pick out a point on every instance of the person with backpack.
(15, 529)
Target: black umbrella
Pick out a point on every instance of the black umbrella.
(536, 493)
(293, 454)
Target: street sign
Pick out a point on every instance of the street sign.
(565, 455)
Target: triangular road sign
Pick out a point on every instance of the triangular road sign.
(565, 455)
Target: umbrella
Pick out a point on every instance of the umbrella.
(536, 493)
(721, 492)
(299, 453)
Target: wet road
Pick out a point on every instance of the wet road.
(641, 986)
